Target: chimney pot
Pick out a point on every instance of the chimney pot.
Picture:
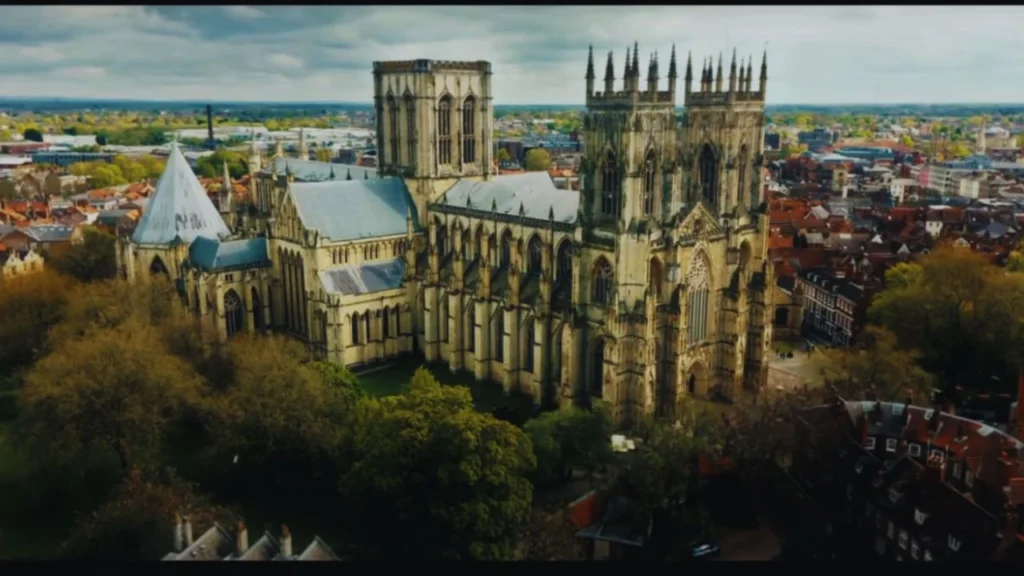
(286, 542)
(179, 534)
(188, 531)
(242, 539)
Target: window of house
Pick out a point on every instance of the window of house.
(904, 539)
(915, 450)
(969, 478)
(927, 556)
(939, 454)
(890, 531)
(890, 445)
(954, 543)
(915, 551)
(869, 443)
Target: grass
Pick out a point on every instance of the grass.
(487, 396)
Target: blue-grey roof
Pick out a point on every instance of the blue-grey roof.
(353, 209)
(179, 208)
(112, 216)
(535, 191)
(216, 255)
(49, 232)
(313, 171)
(364, 278)
(6, 229)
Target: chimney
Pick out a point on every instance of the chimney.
(286, 542)
(188, 532)
(241, 539)
(209, 125)
(179, 534)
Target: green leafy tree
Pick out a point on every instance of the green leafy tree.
(503, 155)
(876, 365)
(138, 521)
(211, 166)
(92, 260)
(29, 305)
(83, 398)
(33, 134)
(564, 440)
(538, 160)
(434, 479)
(323, 155)
(963, 314)
(106, 175)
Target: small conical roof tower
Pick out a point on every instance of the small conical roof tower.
(348, 174)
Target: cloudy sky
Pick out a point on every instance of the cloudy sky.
(879, 54)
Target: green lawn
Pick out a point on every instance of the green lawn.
(487, 396)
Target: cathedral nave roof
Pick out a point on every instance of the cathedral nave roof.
(353, 209)
(313, 171)
(534, 191)
(367, 278)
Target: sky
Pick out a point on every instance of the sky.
(816, 55)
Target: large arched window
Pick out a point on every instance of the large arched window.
(530, 342)
(398, 322)
(471, 325)
(393, 134)
(602, 282)
(441, 239)
(741, 173)
(442, 318)
(366, 321)
(506, 249)
(466, 245)
(386, 322)
(698, 289)
(444, 130)
(709, 177)
(536, 258)
(649, 184)
(611, 184)
(355, 329)
(479, 243)
(499, 336)
(469, 130)
(157, 267)
(234, 313)
(410, 129)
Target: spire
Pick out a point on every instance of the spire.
(764, 73)
(672, 64)
(332, 172)
(303, 150)
(609, 75)
(226, 189)
(732, 72)
(627, 72)
(348, 174)
(718, 77)
(743, 78)
(590, 63)
(226, 175)
(279, 149)
(750, 72)
(636, 59)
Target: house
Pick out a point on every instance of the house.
(913, 483)
(834, 306)
(219, 544)
(13, 264)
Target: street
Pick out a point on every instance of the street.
(760, 544)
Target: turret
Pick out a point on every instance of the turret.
(688, 80)
(718, 77)
(609, 75)
(652, 76)
(255, 159)
(750, 73)
(672, 73)
(627, 73)
(635, 84)
(279, 150)
(705, 76)
(732, 73)
(743, 78)
(225, 190)
(764, 73)
(590, 72)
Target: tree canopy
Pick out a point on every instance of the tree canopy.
(434, 479)
(569, 439)
(538, 160)
(29, 306)
(212, 165)
(33, 134)
(503, 155)
(877, 365)
(93, 259)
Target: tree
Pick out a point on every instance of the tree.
(29, 306)
(963, 314)
(101, 138)
(876, 365)
(906, 140)
(323, 154)
(131, 170)
(33, 135)
(92, 260)
(82, 397)
(340, 382)
(277, 418)
(564, 440)
(551, 536)
(137, 523)
(434, 479)
(538, 160)
(757, 436)
(106, 175)
(154, 166)
(503, 155)
(212, 166)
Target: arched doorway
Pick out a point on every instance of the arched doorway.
(257, 311)
(234, 313)
(697, 380)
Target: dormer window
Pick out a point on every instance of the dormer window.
(954, 543)
(890, 445)
(915, 450)
(920, 517)
(915, 551)
(969, 478)
(927, 556)
(869, 443)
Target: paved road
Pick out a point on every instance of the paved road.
(796, 371)
(758, 545)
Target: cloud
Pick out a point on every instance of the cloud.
(817, 54)
(244, 12)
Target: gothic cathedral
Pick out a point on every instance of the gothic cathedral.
(648, 284)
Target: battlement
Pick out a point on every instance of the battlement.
(427, 66)
(661, 98)
(721, 98)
